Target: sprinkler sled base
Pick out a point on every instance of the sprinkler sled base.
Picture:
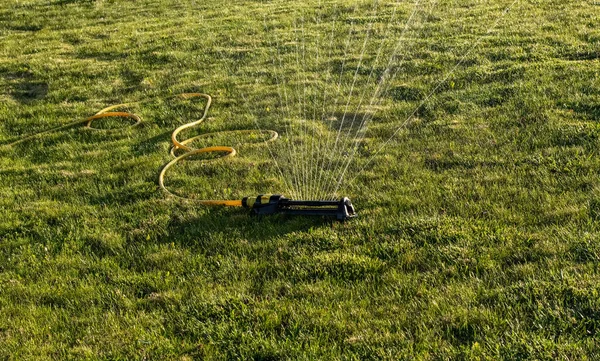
(275, 203)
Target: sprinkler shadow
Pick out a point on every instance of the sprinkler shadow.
(351, 123)
(347, 121)
(220, 231)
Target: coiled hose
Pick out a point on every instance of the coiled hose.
(189, 151)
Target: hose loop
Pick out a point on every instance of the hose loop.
(189, 151)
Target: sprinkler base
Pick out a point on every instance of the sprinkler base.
(275, 203)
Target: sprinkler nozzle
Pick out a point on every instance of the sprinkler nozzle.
(276, 203)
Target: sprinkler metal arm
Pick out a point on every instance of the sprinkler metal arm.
(276, 203)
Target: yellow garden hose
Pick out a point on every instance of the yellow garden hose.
(104, 113)
(189, 151)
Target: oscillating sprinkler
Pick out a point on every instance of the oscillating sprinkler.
(275, 203)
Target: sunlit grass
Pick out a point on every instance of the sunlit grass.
(477, 236)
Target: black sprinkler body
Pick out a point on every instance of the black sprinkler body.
(276, 203)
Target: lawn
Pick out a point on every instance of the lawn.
(477, 181)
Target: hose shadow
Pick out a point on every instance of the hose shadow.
(153, 144)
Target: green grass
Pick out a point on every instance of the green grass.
(479, 229)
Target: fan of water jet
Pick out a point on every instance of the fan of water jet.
(323, 64)
(322, 73)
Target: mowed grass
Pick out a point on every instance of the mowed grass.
(479, 229)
